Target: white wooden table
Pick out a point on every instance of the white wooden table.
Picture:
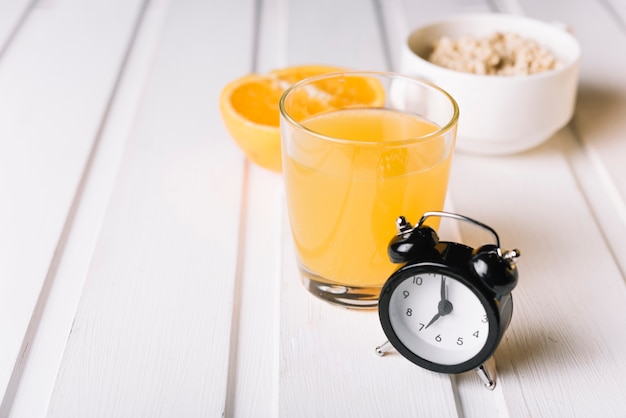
(147, 270)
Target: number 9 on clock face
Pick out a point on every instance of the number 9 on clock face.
(438, 320)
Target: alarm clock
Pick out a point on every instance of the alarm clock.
(447, 307)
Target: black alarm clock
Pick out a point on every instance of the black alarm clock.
(448, 306)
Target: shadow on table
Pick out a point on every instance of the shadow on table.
(531, 352)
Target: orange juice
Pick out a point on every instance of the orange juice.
(345, 194)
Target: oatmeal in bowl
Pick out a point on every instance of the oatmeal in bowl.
(515, 78)
(501, 53)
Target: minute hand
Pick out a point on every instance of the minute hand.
(445, 306)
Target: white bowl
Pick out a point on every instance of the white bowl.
(501, 114)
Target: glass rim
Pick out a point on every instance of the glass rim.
(441, 131)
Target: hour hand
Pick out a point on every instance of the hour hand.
(436, 317)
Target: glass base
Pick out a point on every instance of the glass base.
(352, 297)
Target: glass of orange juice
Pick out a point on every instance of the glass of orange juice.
(360, 149)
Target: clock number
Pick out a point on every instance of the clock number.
(438, 338)
(405, 294)
(417, 281)
(421, 326)
(475, 334)
(409, 312)
(459, 341)
(484, 320)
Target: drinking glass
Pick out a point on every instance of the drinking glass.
(360, 149)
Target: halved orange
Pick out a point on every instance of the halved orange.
(249, 107)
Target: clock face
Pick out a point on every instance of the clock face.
(439, 318)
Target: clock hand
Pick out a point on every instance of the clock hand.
(443, 288)
(436, 317)
(444, 307)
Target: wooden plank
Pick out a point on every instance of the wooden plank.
(577, 336)
(599, 121)
(12, 14)
(481, 195)
(617, 8)
(50, 120)
(253, 384)
(349, 34)
(563, 351)
(152, 333)
(46, 348)
(272, 36)
(400, 18)
(327, 364)
(254, 345)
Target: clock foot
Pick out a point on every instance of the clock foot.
(484, 376)
(383, 348)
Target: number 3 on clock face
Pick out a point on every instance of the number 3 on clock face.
(438, 320)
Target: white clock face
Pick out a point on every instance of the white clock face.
(438, 318)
